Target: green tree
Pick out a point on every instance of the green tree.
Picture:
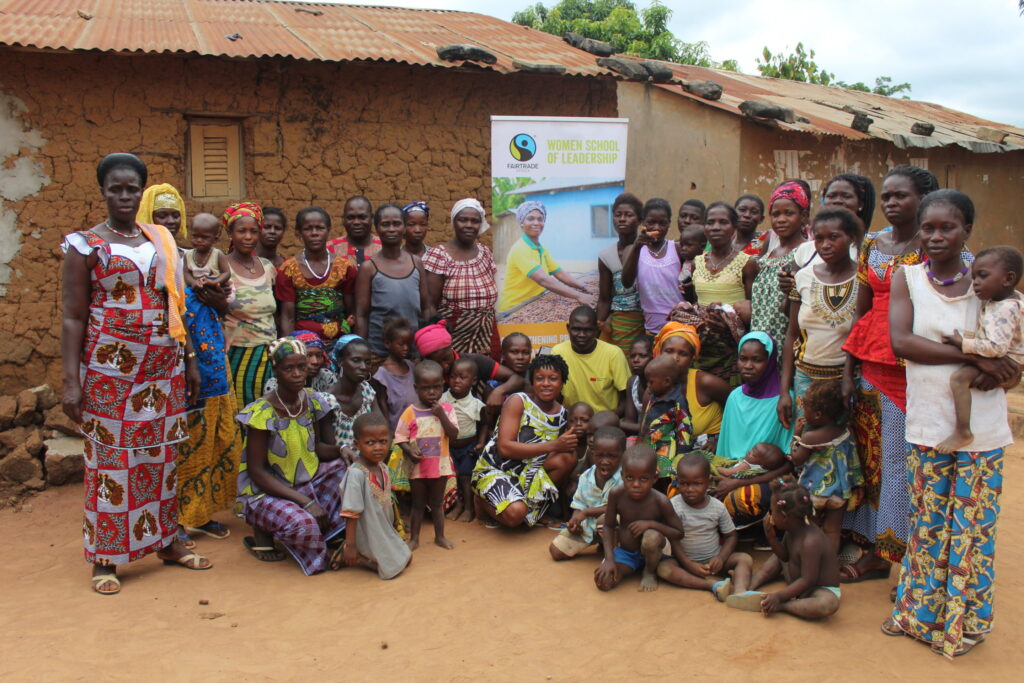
(618, 23)
(883, 86)
(800, 66)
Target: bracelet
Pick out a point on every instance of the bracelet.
(309, 504)
(190, 354)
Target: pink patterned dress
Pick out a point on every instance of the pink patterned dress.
(133, 404)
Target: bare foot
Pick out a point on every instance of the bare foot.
(648, 582)
(467, 515)
(413, 543)
(443, 542)
(955, 441)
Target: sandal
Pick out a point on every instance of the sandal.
(99, 579)
(851, 573)
(269, 552)
(183, 538)
(749, 601)
(337, 561)
(722, 589)
(191, 561)
(966, 645)
(212, 529)
(890, 628)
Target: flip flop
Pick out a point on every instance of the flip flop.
(722, 589)
(890, 628)
(491, 524)
(337, 562)
(212, 529)
(191, 561)
(100, 579)
(250, 544)
(748, 600)
(855, 575)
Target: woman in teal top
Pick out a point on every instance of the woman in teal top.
(750, 418)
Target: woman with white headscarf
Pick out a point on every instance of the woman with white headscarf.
(532, 270)
(461, 284)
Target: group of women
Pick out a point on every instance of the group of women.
(156, 382)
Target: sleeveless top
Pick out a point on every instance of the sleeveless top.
(250, 319)
(624, 298)
(930, 414)
(706, 419)
(210, 271)
(725, 286)
(392, 297)
(657, 283)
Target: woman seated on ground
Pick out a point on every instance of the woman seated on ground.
(518, 474)
(288, 492)
(751, 418)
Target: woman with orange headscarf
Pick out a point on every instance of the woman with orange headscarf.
(705, 393)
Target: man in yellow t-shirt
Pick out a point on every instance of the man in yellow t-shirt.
(597, 370)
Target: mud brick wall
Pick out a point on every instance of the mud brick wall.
(313, 133)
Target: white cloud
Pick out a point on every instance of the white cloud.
(966, 56)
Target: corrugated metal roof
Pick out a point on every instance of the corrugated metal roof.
(823, 107)
(337, 33)
(314, 31)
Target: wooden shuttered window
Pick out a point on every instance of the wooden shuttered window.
(216, 159)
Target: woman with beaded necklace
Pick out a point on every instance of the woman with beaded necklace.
(316, 287)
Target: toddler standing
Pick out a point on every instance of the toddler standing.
(473, 433)
(424, 432)
(372, 539)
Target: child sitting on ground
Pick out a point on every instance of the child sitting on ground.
(424, 431)
(665, 424)
(828, 455)
(473, 433)
(804, 557)
(591, 497)
(372, 539)
(640, 354)
(205, 264)
(763, 457)
(1000, 332)
(709, 540)
(637, 522)
(692, 242)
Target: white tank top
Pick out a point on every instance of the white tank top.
(930, 414)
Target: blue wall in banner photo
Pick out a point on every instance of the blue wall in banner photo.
(567, 231)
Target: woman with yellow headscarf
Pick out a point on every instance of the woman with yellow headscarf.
(705, 393)
(208, 460)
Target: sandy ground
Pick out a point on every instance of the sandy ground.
(495, 607)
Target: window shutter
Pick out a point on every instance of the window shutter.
(216, 160)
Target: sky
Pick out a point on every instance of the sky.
(963, 55)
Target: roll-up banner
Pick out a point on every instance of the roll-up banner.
(553, 181)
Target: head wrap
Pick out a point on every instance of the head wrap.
(470, 203)
(161, 196)
(674, 329)
(280, 349)
(792, 191)
(343, 341)
(527, 207)
(432, 338)
(769, 384)
(422, 207)
(241, 210)
(312, 340)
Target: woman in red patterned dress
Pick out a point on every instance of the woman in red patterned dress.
(124, 380)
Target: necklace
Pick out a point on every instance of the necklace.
(195, 257)
(310, 268)
(661, 250)
(252, 262)
(949, 281)
(114, 230)
(288, 412)
(721, 264)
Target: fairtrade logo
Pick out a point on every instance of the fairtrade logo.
(523, 147)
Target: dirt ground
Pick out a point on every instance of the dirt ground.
(496, 607)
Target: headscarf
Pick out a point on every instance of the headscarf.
(343, 341)
(161, 196)
(280, 349)
(674, 329)
(312, 340)
(432, 338)
(240, 210)
(769, 384)
(422, 207)
(792, 191)
(470, 203)
(527, 207)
